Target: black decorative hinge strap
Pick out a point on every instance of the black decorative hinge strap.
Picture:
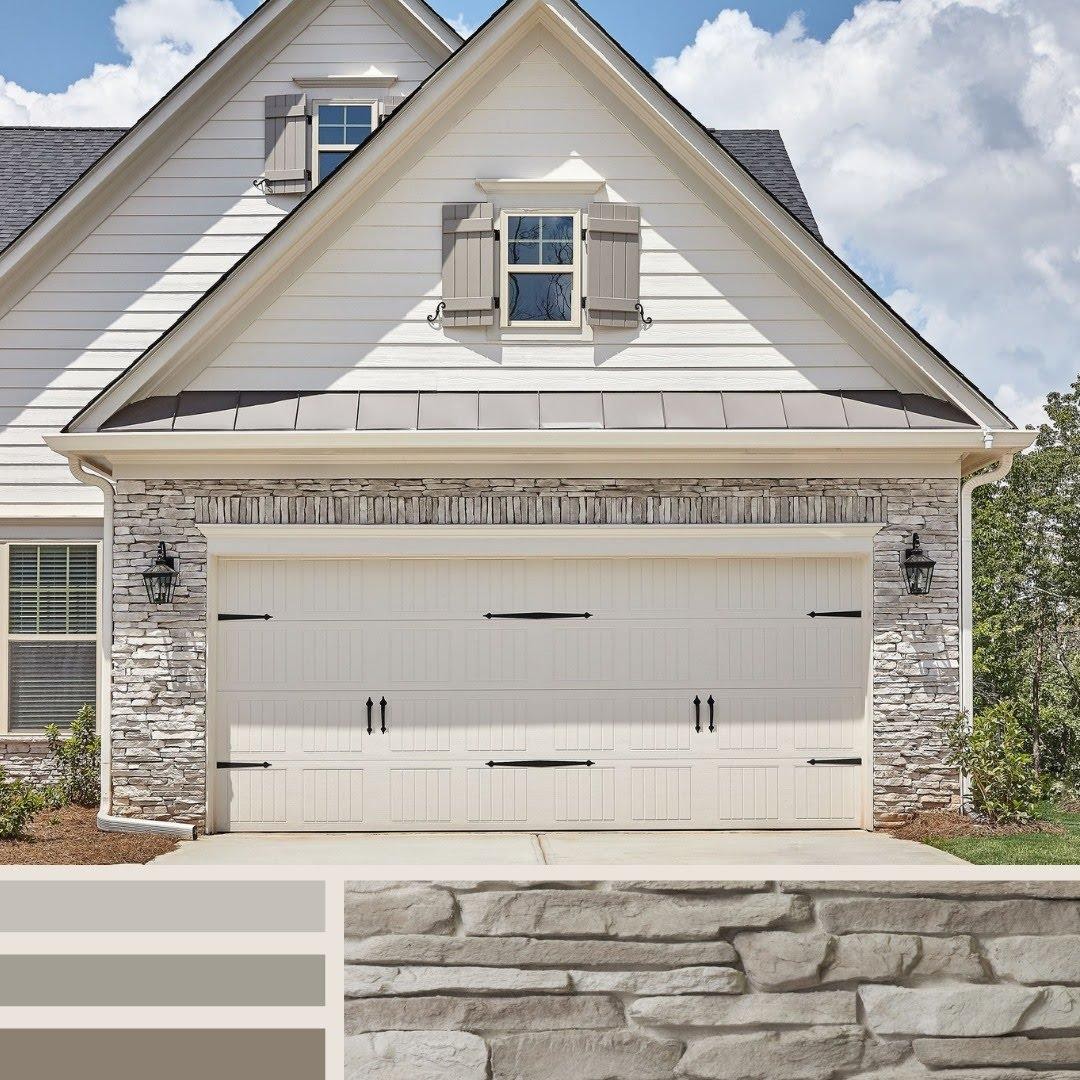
(539, 764)
(835, 761)
(540, 615)
(243, 765)
(226, 617)
(835, 614)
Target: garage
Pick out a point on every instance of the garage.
(460, 693)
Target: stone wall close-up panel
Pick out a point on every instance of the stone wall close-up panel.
(713, 981)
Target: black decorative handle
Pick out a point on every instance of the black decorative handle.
(541, 615)
(712, 708)
(697, 714)
(370, 706)
(382, 713)
(539, 764)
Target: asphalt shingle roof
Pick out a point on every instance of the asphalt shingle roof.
(37, 165)
(763, 154)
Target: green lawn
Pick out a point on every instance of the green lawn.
(1024, 850)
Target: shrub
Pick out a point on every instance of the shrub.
(19, 802)
(994, 754)
(79, 758)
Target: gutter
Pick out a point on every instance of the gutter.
(106, 821)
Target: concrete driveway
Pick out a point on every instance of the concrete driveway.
(629, 849)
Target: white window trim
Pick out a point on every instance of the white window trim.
(505, 269)
(316, 140)
(6, 637)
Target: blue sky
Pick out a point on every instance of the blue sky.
(80, 33)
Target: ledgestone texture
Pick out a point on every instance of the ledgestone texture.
(632, 981)
(159, 655)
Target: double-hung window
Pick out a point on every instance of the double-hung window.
(50, 625)
(339, 128)
(541, 267)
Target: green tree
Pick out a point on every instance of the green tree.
(1026, 576)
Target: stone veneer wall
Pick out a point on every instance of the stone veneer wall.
(713, 981)
(159, 655)
(27, 757)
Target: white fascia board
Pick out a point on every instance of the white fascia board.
(422, 17)
(115, 450)
(537, 541)
(438, 95)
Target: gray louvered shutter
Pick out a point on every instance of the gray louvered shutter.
(469, 264)
(391, 103)
(614, 256)
(288, 153)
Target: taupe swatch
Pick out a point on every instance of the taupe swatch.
(162, 980)
(208, 906)
(166, 1055)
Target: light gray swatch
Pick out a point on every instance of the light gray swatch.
(162, 980)
(205, 906)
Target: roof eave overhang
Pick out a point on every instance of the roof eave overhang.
(116, 452)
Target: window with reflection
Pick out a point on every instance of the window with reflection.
(542, 271)
(339, 129)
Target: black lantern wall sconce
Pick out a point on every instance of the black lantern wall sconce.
(918, 569)
(160, 580)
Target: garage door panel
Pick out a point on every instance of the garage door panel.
(257, 798)
(661, 794)
(787, 654)
(825, 793)
(498, 798)
(584, 798)
(332, 798)
(616, 690)
(748, 795)
(790, 588)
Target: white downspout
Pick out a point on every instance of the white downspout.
(105, 819)
(967, 648)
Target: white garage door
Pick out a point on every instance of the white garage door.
(420, 694)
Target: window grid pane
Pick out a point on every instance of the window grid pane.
(49, 682)
(52, 589)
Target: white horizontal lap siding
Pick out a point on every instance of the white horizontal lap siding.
(357, 317)
(156, 254)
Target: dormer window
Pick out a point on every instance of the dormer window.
(541, 268)
(339, 128)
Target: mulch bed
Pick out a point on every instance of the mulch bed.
(950, 824)
(70, 837)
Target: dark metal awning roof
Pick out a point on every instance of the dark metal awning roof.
(274, 410)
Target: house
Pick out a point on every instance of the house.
(473, 440)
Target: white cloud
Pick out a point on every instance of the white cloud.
(163, 40)
(939, 143)
(462, 25)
